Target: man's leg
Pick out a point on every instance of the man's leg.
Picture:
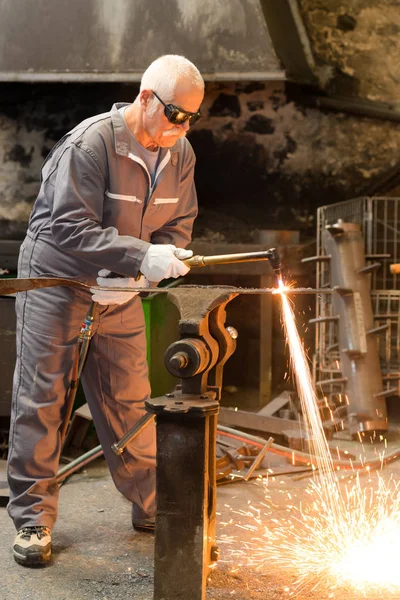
(115, 381)
(48, 323)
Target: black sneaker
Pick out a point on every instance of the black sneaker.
(32, 546)
(147, 525)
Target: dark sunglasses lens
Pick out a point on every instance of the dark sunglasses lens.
(177, 117)
(194, 118)
(172, 115)
(180, 117)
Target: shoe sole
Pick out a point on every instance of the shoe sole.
(37, 559)
(144, 528)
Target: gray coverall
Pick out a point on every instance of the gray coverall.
(95, 209)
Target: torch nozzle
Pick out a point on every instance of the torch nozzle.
(275, 262)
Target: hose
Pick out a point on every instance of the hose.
(78, 463)
(80, 356)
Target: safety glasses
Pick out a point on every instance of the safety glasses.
(176, 115)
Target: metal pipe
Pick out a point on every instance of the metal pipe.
(224, 259)
(119, 447)
(78, 463)
(358, 107)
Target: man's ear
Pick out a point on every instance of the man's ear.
(145, 98)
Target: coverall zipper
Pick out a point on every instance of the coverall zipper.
(151, 186)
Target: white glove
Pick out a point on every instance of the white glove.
(113, 297)
(163, 261)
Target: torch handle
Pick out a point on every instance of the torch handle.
(224, 259)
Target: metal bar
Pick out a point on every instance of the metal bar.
(266, 349)
(257, 422)
(129, 76)
(13, 286)
(333, 381)
(120, 446)
(389, 392)
(180, 289)
(322, 258)
(370, 268)
(370, 256)
(374, 110)
(324, 319)
(258, 460)
(377, 329)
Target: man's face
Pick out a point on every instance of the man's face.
(165, 134)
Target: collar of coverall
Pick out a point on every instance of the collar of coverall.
(123, 137)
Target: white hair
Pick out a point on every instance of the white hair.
(165, 73)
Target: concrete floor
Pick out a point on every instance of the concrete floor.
(97, 555)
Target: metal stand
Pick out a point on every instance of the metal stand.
(186, 446)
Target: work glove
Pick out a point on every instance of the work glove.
(111, 296)
(163, 261)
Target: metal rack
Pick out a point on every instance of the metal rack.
(378, 218)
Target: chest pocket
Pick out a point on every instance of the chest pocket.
(158, 201)
(124, 212)
(123, 197)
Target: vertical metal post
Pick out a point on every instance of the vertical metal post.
(359, 357)
(212, 548)
(185, 503)
(186, 434)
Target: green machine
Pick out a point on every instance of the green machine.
(162, 321)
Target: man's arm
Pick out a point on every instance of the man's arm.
(78, 213)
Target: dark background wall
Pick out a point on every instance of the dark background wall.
(263, 159)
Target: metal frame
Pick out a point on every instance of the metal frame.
(380, 227)
(129, 77)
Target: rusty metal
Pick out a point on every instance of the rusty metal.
(185, 545)
(240, 463)
(16, 285)
(258, 459)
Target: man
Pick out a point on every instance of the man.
(117, 195)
